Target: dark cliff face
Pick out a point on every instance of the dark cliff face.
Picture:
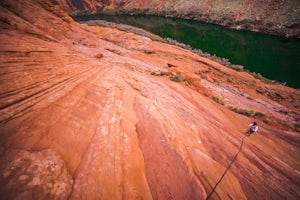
(279, 17)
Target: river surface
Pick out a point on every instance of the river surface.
(274, 57)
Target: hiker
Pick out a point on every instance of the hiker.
(253, 128)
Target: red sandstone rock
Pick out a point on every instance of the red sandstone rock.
(34, 175)
(115, 131)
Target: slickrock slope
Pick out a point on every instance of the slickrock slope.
(93, 113)
(276, 16)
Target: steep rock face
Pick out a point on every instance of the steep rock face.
(275, 17)
(93, 113)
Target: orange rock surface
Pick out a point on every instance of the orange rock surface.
(93, 113)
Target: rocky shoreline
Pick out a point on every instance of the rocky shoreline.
(284, 30)
(275, 18)
(223, 61)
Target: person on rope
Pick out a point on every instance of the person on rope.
(253, 128)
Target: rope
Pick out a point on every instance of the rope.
(213, 190)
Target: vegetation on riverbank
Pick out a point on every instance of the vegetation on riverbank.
(223, 61)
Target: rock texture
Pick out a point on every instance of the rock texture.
(275, 17)
(34, 175)
(98, 113)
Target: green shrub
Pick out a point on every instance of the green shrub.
(218, 98)
(297, 127)
(177, 77)
(249, 113)
(217, 81)
(259, 114)
(238, 68)
(155, 73)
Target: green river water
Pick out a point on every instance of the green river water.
(274, 57)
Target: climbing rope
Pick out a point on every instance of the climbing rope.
(213, 190)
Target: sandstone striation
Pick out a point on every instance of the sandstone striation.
(98, 113)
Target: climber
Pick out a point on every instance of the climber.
(253, 128)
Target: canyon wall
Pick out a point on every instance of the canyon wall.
(98, 113)
(280, 17)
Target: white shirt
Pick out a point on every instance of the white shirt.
(253, 128)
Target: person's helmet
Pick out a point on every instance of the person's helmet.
(254, 123)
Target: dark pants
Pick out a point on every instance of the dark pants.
(249, 131)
